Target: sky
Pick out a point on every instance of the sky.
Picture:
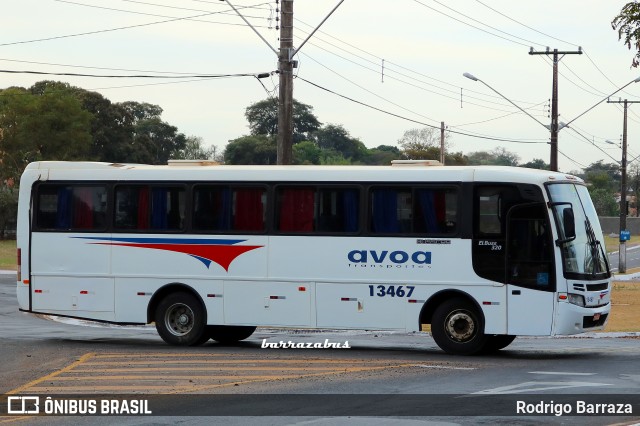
(402, 61)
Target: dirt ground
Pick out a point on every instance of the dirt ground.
(625, 307)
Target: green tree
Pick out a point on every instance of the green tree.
(422, 144)
(252, 149)
(263, 119)
(611, 169)
(335, 137)
(382, 155)
(195, 149)
(536, 163)
(44, 124)
(8, 208)
(627, 23)
(602, 188)
(112, 127)
(306, 152)
(498, 157)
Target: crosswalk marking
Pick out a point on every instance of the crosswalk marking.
(188, 373)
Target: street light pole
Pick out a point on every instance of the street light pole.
(622, 265)
(555, 128)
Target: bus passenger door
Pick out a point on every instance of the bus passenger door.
(531, 281)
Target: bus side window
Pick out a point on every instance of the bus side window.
(419, 210)
(338, 210)
(296, 207)
(71, 207)
(221, 208)
(391, 210)
(152, 208)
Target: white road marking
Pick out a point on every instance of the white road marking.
(443, 367)
(562, 373)
(528, 387)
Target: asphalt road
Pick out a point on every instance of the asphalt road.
(632, 259)
(382, 378)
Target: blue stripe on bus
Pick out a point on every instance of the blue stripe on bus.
(148, 240)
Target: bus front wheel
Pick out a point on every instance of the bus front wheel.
(229, 333)
(180, 320)
(457, 328)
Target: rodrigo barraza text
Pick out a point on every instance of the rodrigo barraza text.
(577, 407)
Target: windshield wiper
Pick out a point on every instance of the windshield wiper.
(597, 253)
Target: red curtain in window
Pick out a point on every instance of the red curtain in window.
(296, 210)
(83, 208)
(249, 211)
(143, 208)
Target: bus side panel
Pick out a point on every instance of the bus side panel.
(268, 303)
(70, 276)
(349, 305)
(134, 294)
(539, 303)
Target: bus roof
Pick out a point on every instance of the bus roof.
(186, 171)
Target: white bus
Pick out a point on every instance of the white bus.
(482, 254)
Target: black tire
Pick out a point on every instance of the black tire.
(458, 328)
(181, 320)
(496, 342)
(229, 333)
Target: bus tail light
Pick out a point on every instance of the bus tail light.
(19, 263)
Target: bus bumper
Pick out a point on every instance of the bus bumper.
(574, 319)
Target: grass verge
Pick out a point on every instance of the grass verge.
(8, 254)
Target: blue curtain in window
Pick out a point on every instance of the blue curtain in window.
(350, 204)
(225, 205)
(63, 214)
(426, 198)
(385, 211)
(159, 217)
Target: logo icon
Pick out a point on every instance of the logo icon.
(23, 405)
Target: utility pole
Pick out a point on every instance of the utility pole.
(622, 258)
(286, 64)
(442, 142)
(553, 162)
(285, 98)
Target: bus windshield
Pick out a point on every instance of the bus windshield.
(583, 256)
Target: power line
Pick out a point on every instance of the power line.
(117, 28)
(69, 74)
(394, 64)
(478, 28)
(525, 25)
(416, 121)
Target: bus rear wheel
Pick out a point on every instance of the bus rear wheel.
(457, 328)
(229, 333)
(181, 320)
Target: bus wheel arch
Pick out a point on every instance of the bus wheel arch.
(179, 314)
(457, 322)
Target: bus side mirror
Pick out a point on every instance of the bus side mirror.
(569, 226)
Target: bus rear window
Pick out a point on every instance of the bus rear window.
(71, 207)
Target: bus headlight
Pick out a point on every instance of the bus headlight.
(576, 299)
